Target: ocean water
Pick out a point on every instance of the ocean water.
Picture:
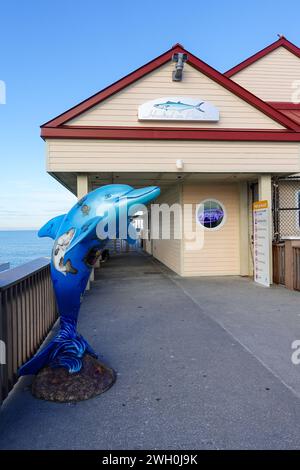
(20, 246)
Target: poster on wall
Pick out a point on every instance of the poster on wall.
(261, 243)
(178, 108)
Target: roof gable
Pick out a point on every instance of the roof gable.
(193, 61)
(121, 109)
(281, 42)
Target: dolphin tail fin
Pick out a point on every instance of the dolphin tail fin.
(51, 228)
(198, 107)
(40, 360)
(62, 351)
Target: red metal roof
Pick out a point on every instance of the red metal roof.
(292, 110)
(281, 42)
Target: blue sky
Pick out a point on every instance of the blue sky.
(57, 53)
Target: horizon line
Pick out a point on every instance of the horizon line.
(9, 229)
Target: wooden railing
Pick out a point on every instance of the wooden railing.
(296, 265)
(279, 263)
(286, 263)
(27, 313)
(122, 246)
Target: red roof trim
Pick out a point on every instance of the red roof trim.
(167, 133)
(113, 88)
(281, 42)
(240, 92)
(284, 105)
(154, 64)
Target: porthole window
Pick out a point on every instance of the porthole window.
(211, 214)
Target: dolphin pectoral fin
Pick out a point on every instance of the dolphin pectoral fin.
(70, 268)
(51, 228)
(88, 232)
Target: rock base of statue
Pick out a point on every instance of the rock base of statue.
(59, 385)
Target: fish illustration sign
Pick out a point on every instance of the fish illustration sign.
(178, 109)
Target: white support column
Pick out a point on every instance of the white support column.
(244, 230)
(250, 233)
(265, 194)
(82, 185)
(82, 190)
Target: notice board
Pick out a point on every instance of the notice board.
(261, 237)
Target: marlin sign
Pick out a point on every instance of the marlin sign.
(178, 109)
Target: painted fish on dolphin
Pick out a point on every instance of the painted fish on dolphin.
(75, 251)
(178, 106)
(58, 253)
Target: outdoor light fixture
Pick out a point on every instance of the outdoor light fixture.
(179, 164)
(180, 59)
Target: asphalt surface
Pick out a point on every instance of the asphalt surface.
(188, 375)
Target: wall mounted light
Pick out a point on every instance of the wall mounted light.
(180, 59)
(179, 164)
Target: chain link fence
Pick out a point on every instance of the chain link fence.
(286, 208)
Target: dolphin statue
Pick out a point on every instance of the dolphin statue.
(76, 248)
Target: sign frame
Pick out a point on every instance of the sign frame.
(261, 241)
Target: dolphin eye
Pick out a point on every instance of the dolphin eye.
(107, 196)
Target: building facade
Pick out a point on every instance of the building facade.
(200, 135)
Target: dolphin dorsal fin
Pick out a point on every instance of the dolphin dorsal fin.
(50, 229)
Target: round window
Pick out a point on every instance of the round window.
(211, 214)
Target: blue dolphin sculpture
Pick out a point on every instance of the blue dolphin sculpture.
(75, 251)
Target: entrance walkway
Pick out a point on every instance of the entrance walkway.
(188, 377)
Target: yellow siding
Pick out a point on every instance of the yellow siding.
(271, 78)
(220, 252)
(160, 156)
(121, 109)
(169, 251)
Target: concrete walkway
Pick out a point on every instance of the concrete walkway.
(201, 363)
